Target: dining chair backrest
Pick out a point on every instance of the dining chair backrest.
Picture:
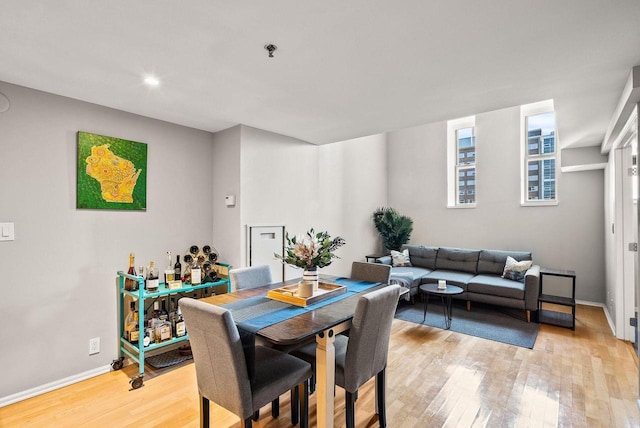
(374, 272)
(368, 345)
(221, 369)
(250, 277)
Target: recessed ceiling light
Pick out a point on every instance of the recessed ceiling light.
(151, 81)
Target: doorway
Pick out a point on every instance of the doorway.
(263, 243)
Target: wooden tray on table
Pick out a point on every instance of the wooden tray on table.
(289, 294)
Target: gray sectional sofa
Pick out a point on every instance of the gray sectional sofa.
(477, 272)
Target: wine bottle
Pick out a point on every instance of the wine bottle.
(196, 275)
(152, 277)
(164, 315)
(187, 269)
(177, 269)
(131, 284)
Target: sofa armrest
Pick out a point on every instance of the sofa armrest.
(532, 288)
(385, 260)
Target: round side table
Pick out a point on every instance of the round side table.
(445, 294)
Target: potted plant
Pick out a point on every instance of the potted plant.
(395, 229)
(310, 252)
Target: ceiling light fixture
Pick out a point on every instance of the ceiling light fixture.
(271, 48)
(151, 81)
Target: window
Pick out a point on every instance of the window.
(461, 166)
(539, 154)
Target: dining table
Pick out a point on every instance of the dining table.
(323, 321)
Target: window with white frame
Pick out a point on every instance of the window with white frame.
(539, 153)
(461, 163)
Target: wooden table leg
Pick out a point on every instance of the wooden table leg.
(325, 377)
(326, 373)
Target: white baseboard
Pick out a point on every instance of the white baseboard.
(14, 398)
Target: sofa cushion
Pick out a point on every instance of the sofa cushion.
(452, 277)
(496, 286)
(422, 256)
(399, 258)
(516, 270)
(493, 261)
(457, 259)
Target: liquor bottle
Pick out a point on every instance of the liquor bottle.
(147, 339)
(128, 322)
(131, 284)
(181, 329)
(152, 277)
(173, 315)
(163, 329)
(134, 334)
(168, 272)
(177, 269)
(155, 320)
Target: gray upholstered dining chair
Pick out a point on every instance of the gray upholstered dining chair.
(363, 354)
(374, 272)
(250, 277)
(225, 377)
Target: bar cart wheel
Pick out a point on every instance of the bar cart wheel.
(136, 382)
(117, 364)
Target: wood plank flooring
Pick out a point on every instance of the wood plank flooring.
(436, 378)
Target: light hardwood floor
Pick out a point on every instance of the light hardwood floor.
(436, 378)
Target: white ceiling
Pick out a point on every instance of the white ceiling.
(343, 68)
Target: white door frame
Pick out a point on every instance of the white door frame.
(626, 219)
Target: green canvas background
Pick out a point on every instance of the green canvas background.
(89, 194)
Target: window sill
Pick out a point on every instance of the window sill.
(465, 206)
(539, 204)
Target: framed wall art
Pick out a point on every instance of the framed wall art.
(112, 173)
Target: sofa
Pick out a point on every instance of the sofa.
(478, 272)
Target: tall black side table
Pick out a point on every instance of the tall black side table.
(554, 317)
(445, 294)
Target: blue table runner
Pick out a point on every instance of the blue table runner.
(258, 312)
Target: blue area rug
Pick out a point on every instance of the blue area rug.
(496, 323)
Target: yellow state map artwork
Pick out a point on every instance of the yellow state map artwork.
(117, 176)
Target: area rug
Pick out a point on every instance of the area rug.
(496, 323)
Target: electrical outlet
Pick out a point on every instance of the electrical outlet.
(94, 345)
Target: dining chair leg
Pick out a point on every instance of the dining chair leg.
(312, 384)
(247, 422)
(304, 405)
(381, 399)
(256, 415)
(350, 405)
(204, 412)
(295, 401)
(275, 408)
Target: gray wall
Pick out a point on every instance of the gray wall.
(569, 235)
(285, 181)
(58, 276)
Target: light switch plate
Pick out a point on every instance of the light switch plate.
(7, 232)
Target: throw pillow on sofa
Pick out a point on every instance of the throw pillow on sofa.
(516, 270)
(400, 258)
